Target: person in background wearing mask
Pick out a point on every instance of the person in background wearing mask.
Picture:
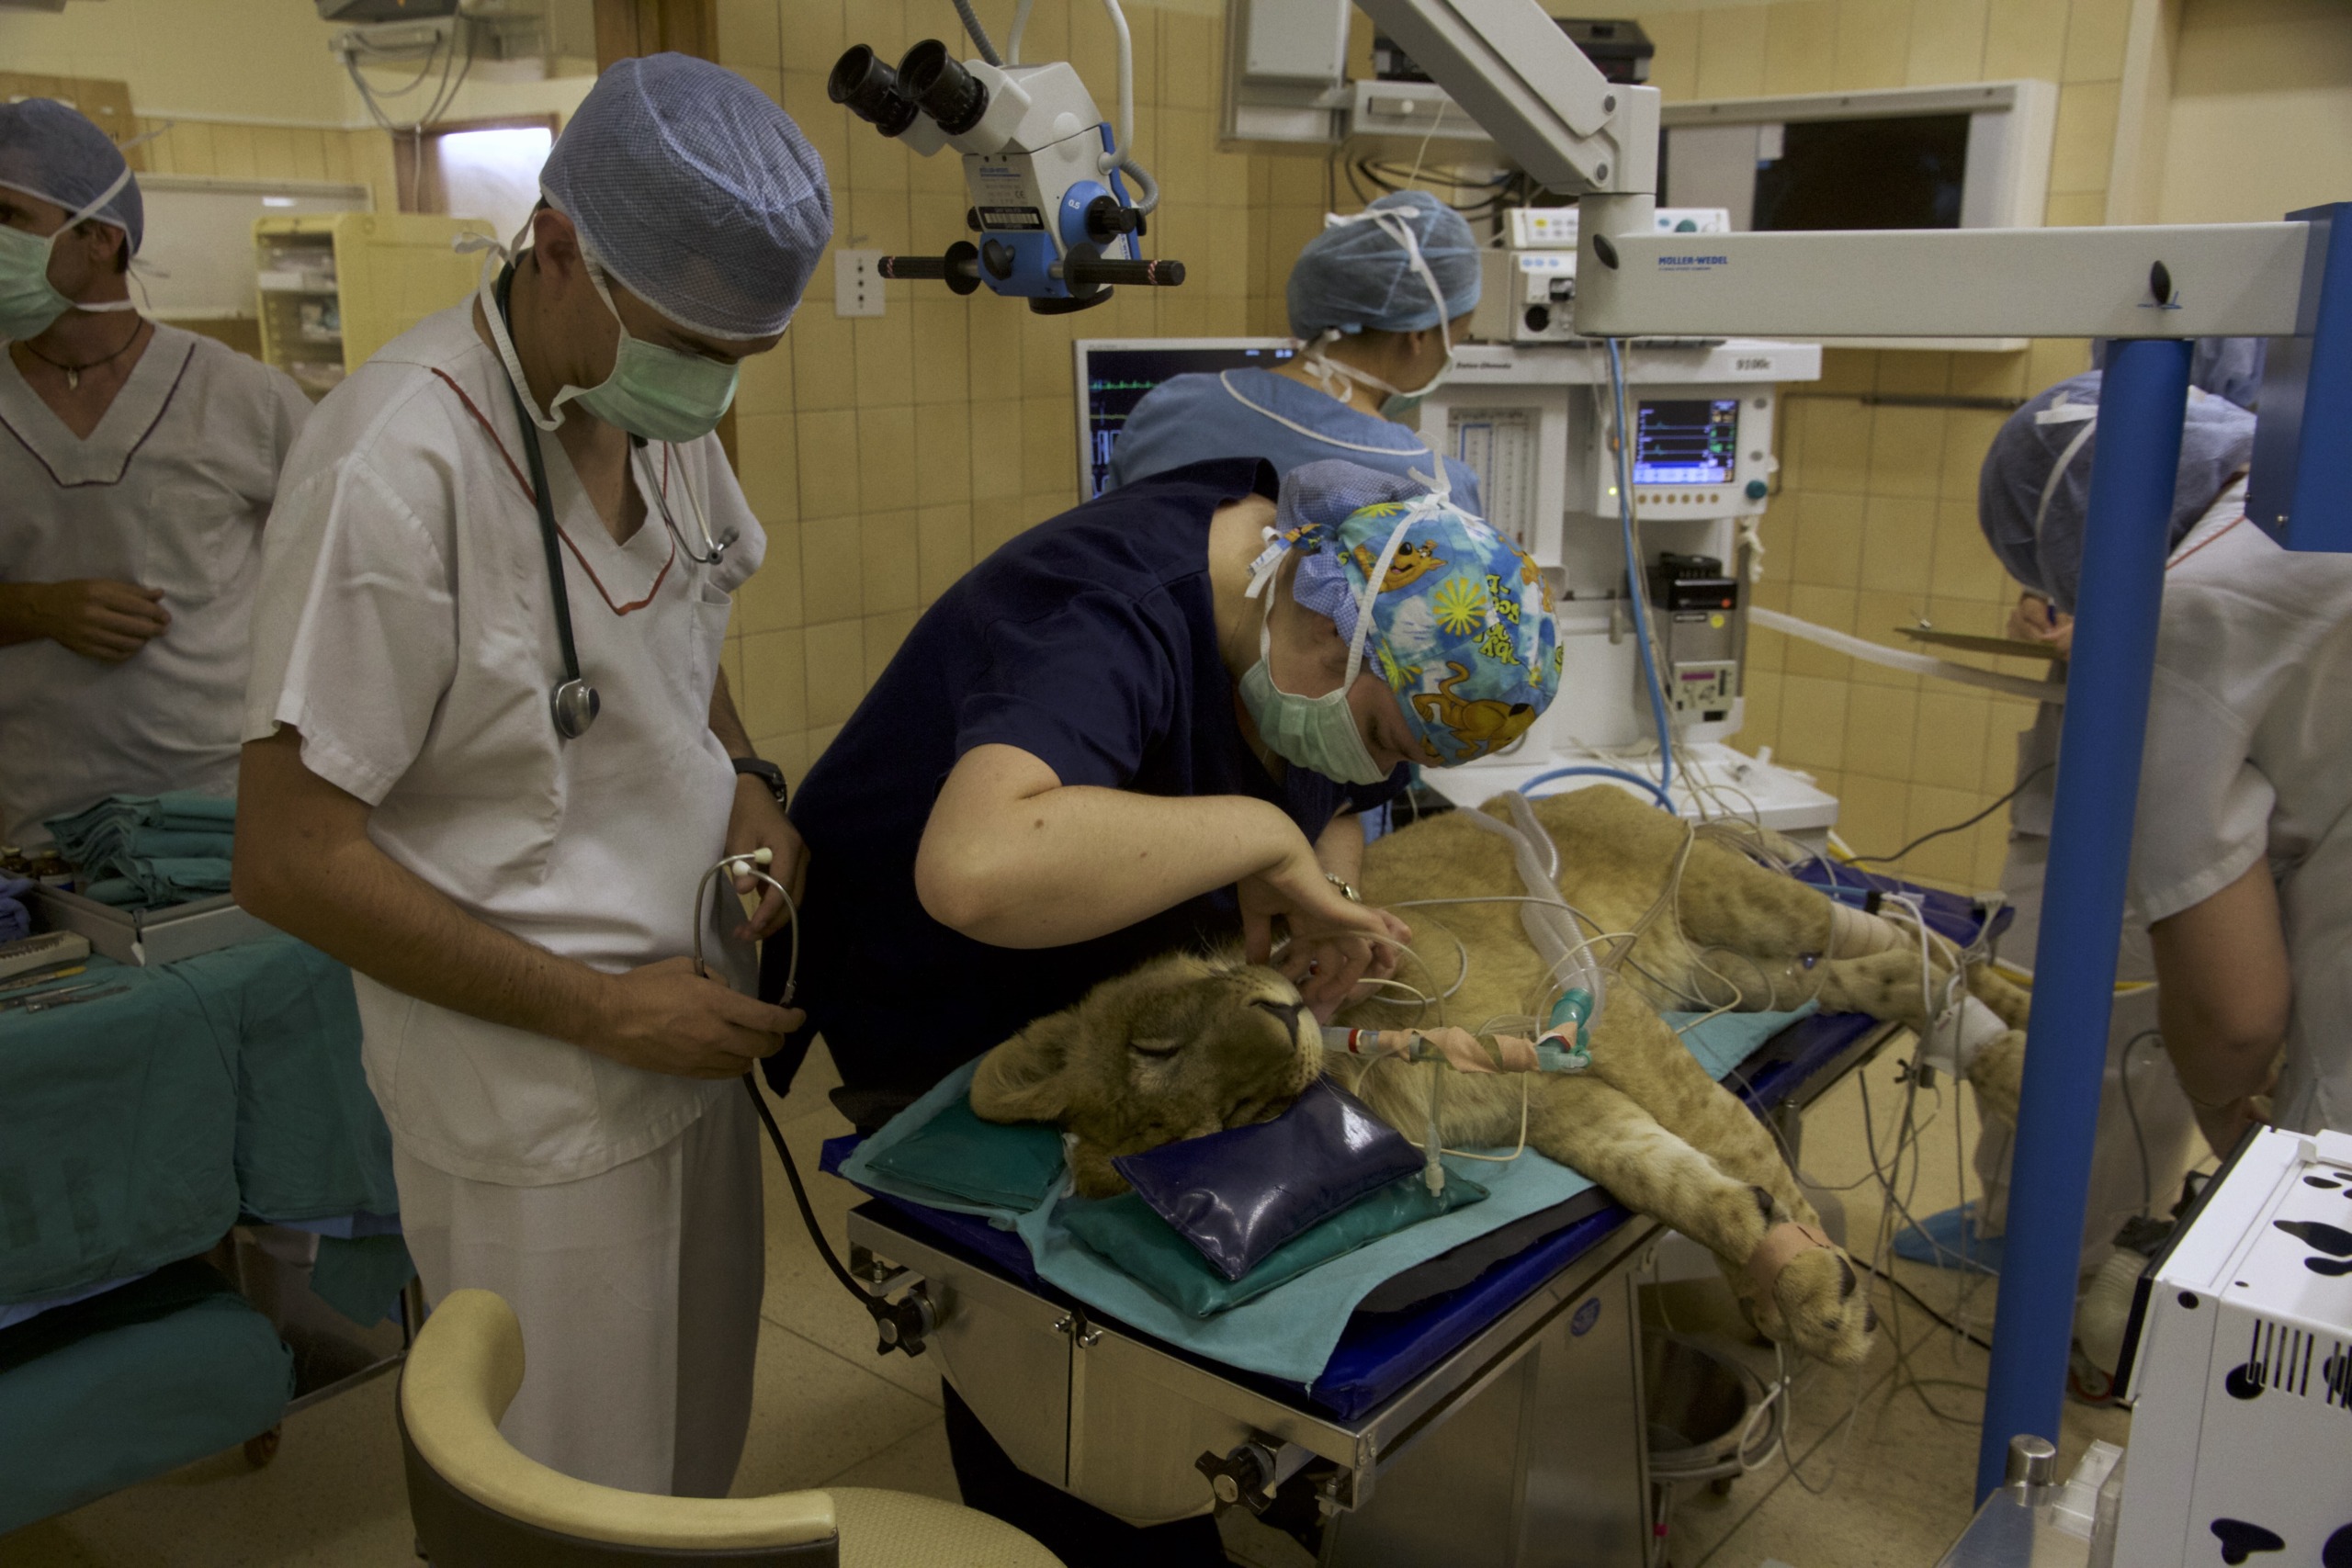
(2241, 860)
(516, 889)
(1378, 300)
(1143, 725)
(139, 463)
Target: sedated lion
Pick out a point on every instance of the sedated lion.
(1188, 1045)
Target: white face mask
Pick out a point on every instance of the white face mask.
(1399, 401)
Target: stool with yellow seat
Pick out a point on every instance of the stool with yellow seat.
(477, 1502)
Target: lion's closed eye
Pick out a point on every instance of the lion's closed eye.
(1162, 1048)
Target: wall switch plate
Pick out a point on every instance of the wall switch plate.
(857, 283)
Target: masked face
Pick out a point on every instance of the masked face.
(1399, 404)
(1401, 401)
(29, 303)
(1320, 734)
(661, 394)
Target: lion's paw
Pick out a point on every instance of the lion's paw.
(1818, 1306)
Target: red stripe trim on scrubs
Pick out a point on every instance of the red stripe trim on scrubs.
(525, 485)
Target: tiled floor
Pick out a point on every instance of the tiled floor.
(1880, 1477)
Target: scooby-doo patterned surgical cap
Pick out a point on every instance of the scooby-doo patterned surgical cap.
(1461, 624)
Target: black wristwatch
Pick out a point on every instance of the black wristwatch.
(767, 772)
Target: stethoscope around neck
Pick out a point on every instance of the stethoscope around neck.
(574, 703)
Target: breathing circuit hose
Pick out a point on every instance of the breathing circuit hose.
(900, 1326)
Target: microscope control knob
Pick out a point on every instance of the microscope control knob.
(1107, 219)
(998, 258)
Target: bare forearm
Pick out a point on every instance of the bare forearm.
(337, 891)
(1073, 864)
(2215, 1062)
(2225, 992)
(1341, 849)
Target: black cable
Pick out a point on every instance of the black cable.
(809, 1214)
(2123, 1072)
(1957, 827)
(1913, 1296)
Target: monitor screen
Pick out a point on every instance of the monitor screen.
(1686, 441)
(1114, 377)
(1900, 173)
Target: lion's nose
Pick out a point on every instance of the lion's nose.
(1287, 1011)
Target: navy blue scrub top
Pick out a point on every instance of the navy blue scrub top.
(1090, 642)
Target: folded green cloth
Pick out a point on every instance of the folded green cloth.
(167, 882)
(959, 1154)
(1125, 1231)
(150, 851)
(176, 843)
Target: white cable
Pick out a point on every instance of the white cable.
(1896, 659)
(1123, 140)
(1147, 188)
(978, 34)
(1020, 27)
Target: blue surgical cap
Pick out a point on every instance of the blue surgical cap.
(692, 188)
(2042, 545)
(1463, 626)
(1355, 274)
(50, 150)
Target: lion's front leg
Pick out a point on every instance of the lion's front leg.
(1809, 1300)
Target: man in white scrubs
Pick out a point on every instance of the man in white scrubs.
(138, 463)
(2242, 850)
(519, 900)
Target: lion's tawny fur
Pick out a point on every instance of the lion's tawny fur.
(1186, 1045)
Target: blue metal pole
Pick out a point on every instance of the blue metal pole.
(2142, 403)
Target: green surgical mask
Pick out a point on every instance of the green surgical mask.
(29, 303)
(1320, 733)
(660, 394)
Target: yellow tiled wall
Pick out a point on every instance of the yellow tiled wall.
(272, 152)
(885, 454)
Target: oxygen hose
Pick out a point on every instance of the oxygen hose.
(900, 1326)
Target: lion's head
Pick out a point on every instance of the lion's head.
(1180, 1047)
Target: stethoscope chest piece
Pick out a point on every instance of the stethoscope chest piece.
(576, 705)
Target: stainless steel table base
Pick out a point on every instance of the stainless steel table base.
(1523, 1449)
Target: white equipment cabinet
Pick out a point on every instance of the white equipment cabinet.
(2241, 1375)
(1536, 423)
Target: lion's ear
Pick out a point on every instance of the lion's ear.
(1026, 1079)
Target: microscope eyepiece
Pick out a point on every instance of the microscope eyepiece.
(938, 82)
(871, 91)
